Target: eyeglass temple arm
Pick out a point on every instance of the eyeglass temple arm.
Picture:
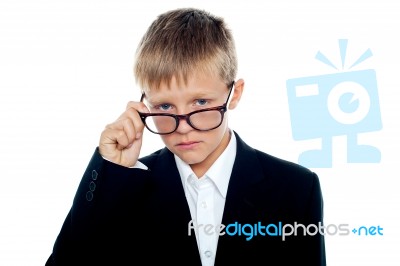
(230, 92)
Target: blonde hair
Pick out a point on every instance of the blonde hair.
(181, 43)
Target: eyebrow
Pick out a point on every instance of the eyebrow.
(198, 95)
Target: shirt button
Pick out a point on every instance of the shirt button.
(204, 204)
(208, 253)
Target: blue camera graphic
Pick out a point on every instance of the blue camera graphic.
(325, 106)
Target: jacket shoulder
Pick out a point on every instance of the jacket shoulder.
(151, 159)
(281, 165)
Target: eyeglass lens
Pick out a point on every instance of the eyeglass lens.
(206, 120)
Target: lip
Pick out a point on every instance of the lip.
(187, 145)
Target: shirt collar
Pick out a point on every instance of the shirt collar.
(219, 172)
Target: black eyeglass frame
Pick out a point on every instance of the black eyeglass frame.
(222, 109)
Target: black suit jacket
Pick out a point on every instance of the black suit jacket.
(125, 216)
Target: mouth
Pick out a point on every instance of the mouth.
(187, 145)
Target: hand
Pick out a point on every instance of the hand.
(121, 141)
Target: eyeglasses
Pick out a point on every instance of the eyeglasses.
(201, 120)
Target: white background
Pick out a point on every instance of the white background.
(66, 71)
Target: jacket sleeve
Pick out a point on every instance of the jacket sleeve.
(103, 185)
(317, 254)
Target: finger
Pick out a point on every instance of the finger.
(122, 140)
(133, 115)
(132, 110)
(139, 106)
(115, 137)
(124, 128)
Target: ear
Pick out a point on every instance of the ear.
(237, 94)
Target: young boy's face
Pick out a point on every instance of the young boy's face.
(198, 148)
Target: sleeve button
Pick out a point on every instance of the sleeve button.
(92, 186)
(89, 196)
(94, 174)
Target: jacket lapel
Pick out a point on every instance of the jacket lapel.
(170, 205)
(246, 173)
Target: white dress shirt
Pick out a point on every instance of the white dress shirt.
(206, 199)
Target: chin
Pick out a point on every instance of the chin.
(191, 159)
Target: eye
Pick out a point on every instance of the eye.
(164, 107)
(201, 102)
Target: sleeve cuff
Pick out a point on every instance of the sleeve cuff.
(138, 164)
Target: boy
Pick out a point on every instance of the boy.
(207, 198)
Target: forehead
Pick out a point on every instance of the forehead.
(196, 86)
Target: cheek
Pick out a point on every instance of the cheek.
(215, 136)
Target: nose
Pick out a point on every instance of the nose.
(183, 126)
